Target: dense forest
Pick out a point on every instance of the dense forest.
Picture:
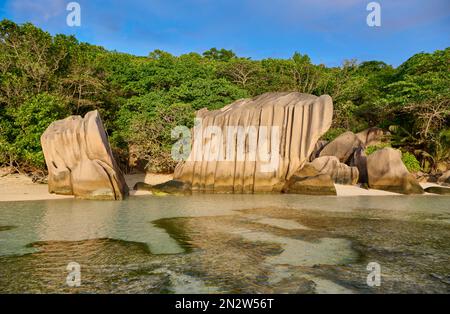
(44, 78)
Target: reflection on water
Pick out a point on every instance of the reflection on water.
(227, 244)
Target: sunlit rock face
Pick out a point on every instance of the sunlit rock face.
(254, 145)
(308, 180)
(386, 171)
(339, 172)
(348, 142)
(80, 161)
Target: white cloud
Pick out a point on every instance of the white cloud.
(37, 11)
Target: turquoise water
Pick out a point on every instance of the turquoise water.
(227, 243)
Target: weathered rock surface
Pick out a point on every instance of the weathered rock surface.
(359, 160)
(300, 119)
(386, 171)
(342, 146)
(309, 181)
(340, 173)
(370, 136)
(80, 161)
(317, 149)
(169, 187)
(348, 142)
(445, 178)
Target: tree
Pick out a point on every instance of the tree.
(219, 55)
(242, 72)
(44, 77)
(32, 118)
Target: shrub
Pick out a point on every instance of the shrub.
(30, 121)
(147, 132)
(411, 162)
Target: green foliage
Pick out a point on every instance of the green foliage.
(30, 121)
(333, 133)
(373, 148)
(44, 77)
(219, 55)
(411, 162)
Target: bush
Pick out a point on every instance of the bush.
(411, 162)
(148, 134)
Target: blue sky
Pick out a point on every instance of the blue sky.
(329, 31)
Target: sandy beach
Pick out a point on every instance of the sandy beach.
(17, 187)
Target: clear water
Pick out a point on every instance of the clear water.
(227, 244)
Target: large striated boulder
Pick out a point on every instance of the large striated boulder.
(386, 171)
(339, 172)
(279, 131)
(80, 161)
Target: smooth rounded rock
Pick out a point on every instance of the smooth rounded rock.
(386, 171)
(310, 182)
(80, 161)
(339, 172)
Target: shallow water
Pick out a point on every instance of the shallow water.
(227, 244)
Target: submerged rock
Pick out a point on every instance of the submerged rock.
(285, 127)
(339, 172)
(80, 161)
(438, 190)
(445, 178)
(386, 171)
(309, 181)
(371, 136)
(169, 187)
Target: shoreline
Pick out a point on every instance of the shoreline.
(17, 187)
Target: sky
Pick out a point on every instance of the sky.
(329, 31)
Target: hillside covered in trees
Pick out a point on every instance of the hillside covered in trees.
(45, 78)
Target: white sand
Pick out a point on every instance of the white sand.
(355, 190)
(18, 187)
